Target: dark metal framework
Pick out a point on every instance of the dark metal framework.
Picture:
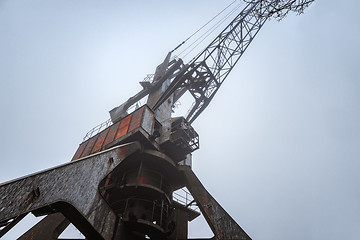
(71, 189)
(121, 180)
(205, 74)
(78, 192)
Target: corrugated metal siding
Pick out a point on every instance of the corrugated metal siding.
(110, 134)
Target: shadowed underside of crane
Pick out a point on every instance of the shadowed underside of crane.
(121, 182)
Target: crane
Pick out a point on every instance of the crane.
(124, 178)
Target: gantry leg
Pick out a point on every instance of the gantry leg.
(48, 228)
(71, 189)
(221, 223)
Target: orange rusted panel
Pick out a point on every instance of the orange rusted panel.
(79, 150)
(136, 119)
(111, 135)
(124, 125)
(89, 146)
(100, 140)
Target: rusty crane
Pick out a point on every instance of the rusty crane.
(123, 178)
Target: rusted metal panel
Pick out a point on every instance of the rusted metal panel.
(70, 188)
(89, 146)
(111, 135)
(100, 141)
(79, 151)
(136, 119)
(107, 137)
(221, 223)
(124, 126)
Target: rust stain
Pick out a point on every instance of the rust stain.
(107, 179)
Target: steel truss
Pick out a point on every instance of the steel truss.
(205, 74)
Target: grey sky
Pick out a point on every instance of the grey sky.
(280, 143)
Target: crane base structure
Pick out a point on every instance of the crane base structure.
(118, 193)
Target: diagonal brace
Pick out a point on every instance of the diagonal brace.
(221, 223)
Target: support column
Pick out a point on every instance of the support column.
(221, 223)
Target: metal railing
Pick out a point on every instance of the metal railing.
(97, 129)
(185, 198)
(157, 211)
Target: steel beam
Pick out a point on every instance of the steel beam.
(221, 223)
(48, 228)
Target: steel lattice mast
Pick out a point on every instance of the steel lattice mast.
(205, 74)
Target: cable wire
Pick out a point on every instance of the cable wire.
(209, 32)
(203, 26)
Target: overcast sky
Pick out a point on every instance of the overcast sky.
(280, 142)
